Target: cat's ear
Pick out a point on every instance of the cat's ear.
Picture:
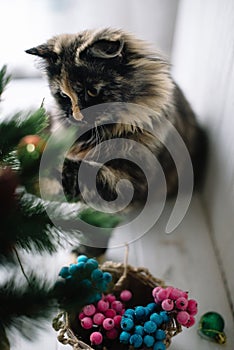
(106, 48)
(45, 51)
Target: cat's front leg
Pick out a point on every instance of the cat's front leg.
(93, 183)
(70, 179)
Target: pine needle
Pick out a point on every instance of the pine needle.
(4, 79)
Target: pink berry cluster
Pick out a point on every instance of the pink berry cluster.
(174, 300)
(104, 317)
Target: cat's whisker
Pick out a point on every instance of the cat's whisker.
(98, 138)
(84, 122)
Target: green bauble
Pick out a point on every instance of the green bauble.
(211, 327)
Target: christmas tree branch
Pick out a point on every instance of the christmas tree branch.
(4, 79)
(14, 129)
(32, 227)
(31, 223)
(26, 302)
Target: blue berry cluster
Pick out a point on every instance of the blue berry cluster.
(84, 280)
(143, 327)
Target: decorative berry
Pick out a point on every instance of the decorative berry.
(139, 312)
(89, 310)
(151, 307)
(111, 313)
(150, 327)
(190, 322)
(148, 340)
(162, 294)
(147, 313)
(94, 298)
(192, 304)
(175, 293)
(127, 324)
(124, 337)
(167, 304)
(98, 318)
(112, 333)
(86, 322)
(82, 258)
(117, 319)
(193, 312)
(136, 340)
(64, 272)
(87, 284)
(91, 264)
(183, 317)
(165, 316)
(81, 315)
(96, 338)
(181, 303)
(192, 307)
(107, 277)
(96, 275)
(102, 305)
(110, 298)
(139, 330)
(156, 318)
(160, 334)
(159, 346)
(130, 312)
(126, 295)
(108, 324)
(126, 315)
(80, 266)
(73, 269)
(117, 305)
(155, 291)
(184, 294)
(102, 285)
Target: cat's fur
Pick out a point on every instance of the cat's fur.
(101, 66)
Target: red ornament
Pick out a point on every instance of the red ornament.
(8, 183)
(29, 150)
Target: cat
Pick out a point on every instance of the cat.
(95, 67)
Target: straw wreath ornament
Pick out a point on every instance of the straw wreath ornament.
(124, 308)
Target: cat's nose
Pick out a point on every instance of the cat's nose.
(76, 113)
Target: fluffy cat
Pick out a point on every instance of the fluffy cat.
(108, 65)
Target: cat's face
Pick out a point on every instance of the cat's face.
(94, 67)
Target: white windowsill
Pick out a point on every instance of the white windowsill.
(184, 259)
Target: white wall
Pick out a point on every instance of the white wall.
(203, 59)
(33, 22)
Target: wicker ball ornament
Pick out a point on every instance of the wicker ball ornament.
(124, 277)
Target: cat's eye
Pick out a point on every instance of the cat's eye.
(92, 92)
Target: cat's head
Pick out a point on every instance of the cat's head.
(99, 66)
